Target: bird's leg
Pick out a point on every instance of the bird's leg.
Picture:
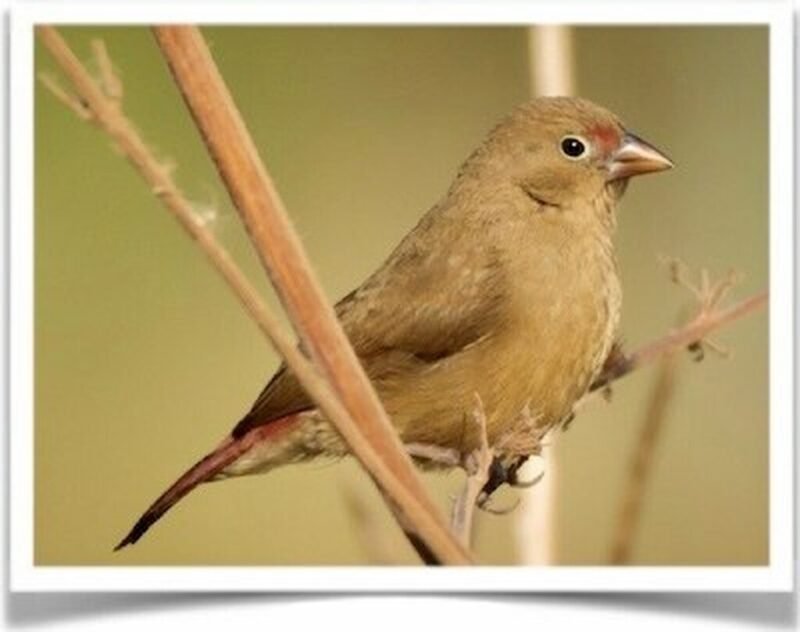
(498, 475)
(478, 465)
(500, 472)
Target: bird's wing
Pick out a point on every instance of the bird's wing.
(410, 314)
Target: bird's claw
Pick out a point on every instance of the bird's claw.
(518, 484)
(484, 504)
(501, 473)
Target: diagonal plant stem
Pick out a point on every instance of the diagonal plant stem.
(284, 258)
(621, 365)
(104, 113)
(336, 391)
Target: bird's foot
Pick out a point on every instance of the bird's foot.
(567, 421)
(502, 472)
(519, 484)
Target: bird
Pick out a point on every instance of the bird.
(506, 289)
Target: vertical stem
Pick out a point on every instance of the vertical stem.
(551, 65)
(551, 60)
(641, 464)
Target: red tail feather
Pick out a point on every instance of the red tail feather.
(204, 470)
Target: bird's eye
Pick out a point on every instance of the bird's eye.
(573, 147)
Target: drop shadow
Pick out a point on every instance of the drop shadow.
(766, 609)
(774, 610)
(30, 609)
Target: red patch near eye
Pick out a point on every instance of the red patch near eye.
(605, 136)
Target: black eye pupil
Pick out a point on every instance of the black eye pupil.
(572, 147)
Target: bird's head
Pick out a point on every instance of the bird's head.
(563, 151)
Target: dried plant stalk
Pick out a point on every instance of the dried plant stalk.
(551, 60)
(403, 491)
(373, 438)
(620, 364)
(477, 466)
(552, 73)
(641, 465)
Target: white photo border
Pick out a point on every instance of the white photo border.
(777, 576)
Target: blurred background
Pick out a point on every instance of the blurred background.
(144, 360)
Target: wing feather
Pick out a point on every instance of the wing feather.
(423, 305)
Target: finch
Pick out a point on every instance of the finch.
(507, 288)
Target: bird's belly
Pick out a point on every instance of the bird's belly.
(537, 369)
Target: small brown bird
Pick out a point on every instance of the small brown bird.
(507, 288)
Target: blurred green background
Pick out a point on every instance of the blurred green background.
(144, 359)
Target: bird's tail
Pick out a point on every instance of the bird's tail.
(206, 469)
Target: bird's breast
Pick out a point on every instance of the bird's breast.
(553, 326)
(564, 321)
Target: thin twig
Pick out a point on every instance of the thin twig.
(158, 176)
(69, 100)
(107, 114)
(112, 85)
(641, 464)
(477, 466)
(691, 333)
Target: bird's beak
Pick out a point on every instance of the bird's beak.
(634, 157)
